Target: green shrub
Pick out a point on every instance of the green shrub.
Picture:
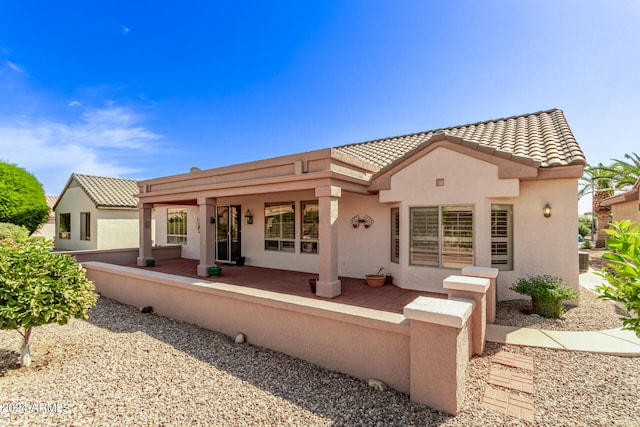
(12, 231)
(38, 287)
(546, 292)
(624, 271)
(22, 199)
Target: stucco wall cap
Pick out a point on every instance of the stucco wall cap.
(439, 311)
(467, 283)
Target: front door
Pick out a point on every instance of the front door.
(228, 237)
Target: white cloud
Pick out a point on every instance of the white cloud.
(14, 67)
(124, 29)
(74, 104)
(106, 142)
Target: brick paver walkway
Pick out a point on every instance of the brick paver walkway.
(514, 395)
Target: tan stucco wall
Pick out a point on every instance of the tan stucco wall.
(627, 210)
(541, 245)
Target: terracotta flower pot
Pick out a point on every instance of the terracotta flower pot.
(375, 279)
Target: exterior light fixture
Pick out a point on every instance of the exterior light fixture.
(546, 211)
(248, 217)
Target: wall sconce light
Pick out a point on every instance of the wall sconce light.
(546, 211)
(212, 220)
(248, 217)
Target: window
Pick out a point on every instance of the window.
(310, 228)
(280, 227)
(85, 226)
(395, 235)
(65, 226)
(177, 226)
(441, 236)
(502, 237)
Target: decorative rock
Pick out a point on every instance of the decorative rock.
(146, 309)
(378, 385)
(240, 339)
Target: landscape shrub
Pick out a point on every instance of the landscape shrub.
(546, 292)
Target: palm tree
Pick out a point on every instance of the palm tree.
(626, 172)
(602, 182)
(599, 182)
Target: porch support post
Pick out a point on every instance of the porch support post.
(207, 207)
(145, 252)
(328, 285)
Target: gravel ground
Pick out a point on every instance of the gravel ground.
(126, 368)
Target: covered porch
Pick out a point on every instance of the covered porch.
(355, 292)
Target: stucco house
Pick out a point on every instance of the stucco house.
(625, 205)
(48, 229)
(96, 212)
(500, 193)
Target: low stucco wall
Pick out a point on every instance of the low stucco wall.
(361, 342)
(127, 256)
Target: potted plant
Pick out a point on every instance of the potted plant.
(150, 262)
(377, 279)
(546, 292)
(215, 270)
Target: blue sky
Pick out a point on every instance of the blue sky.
(146, 89)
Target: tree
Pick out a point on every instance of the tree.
(598, 181)
(626, 172)
(22, 200)
(38, 287)
(623, 275)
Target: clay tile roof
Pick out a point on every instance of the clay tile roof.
(108, 192)
(544, 137)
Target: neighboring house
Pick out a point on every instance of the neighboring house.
(625, 205)
(48, 229)
(96, 212)
(420, 206)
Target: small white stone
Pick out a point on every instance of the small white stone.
(240, 339)
(378, 385)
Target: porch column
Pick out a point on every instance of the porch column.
(145, 252)
(328, 285)
(207, 208)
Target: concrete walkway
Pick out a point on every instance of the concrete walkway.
(613, 341)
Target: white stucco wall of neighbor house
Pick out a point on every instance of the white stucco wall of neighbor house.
(116, 228)
(540, 245)
(74, 201)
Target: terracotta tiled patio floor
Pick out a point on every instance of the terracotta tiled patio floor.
(354, 291)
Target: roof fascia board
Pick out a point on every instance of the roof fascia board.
(259, 186)
(629, 196)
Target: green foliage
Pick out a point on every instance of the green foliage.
(12, 231)
(624, 271)
(38, 286)
(546, 292)
(22, 200)
(586, 244)
(584, 226)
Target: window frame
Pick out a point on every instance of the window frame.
(395, 236)
(176, 232)
(309, 226)
(506, 259)
(85, 226)
(64, 226)
(280, 234)
(440, 245)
